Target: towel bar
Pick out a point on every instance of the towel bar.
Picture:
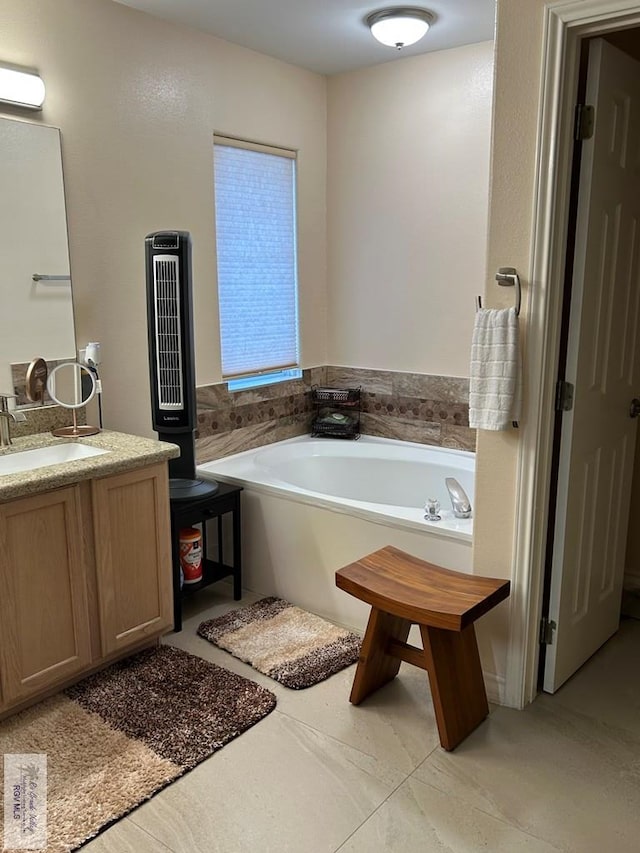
(39, 277)
(507, 277)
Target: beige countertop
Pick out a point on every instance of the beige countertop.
(126, 452)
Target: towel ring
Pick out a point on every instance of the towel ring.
(506, 277)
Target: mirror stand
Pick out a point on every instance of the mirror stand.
(75, 429)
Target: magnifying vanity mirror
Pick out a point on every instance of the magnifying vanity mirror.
(35, 282)
(72, 386)
(36, 380)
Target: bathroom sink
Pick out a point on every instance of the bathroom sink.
(39, 457)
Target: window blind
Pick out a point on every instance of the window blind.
(255, 204)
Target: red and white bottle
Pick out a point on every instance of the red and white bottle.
(191, 554)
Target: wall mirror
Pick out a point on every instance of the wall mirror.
(37, 314)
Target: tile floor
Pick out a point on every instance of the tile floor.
(320, 775)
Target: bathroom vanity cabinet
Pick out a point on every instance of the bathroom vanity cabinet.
(133, 557)
(44, 616)
(85, 578)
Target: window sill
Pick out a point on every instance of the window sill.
(249, 382)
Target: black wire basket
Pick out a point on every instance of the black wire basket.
(337, 412)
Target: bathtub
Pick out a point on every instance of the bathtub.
(310, 506)
(376, 479)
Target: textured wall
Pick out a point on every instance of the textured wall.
(515, 117)
(518, 62)
(137, 101)
(408, 148)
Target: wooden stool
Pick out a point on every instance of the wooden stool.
(403, 590)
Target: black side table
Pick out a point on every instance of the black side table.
(186, 513)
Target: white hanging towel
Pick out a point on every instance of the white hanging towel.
(495, 381)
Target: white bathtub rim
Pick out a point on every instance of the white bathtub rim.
(411, 518)
(342, 447)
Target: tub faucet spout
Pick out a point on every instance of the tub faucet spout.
(459, 500)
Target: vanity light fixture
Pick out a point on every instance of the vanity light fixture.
(401, 26)
(21, 87)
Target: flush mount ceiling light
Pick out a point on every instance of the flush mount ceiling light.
(21, 87)
(399, 27)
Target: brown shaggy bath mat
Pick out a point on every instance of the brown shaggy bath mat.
(120, 736)
(288, 644)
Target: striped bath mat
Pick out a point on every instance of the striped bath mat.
(288, 644)
(120, 736)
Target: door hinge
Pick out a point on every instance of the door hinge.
(547, 627)
(585, 118)
(564, 396)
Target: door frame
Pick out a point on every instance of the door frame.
(566, 23)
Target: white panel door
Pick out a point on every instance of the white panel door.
(598, 435)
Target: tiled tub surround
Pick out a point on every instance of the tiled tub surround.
(231, 421)
(411, 406)
(406, 406)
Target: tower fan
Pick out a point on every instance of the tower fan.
(171, 356)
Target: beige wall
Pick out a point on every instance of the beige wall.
(137, 101)
(517, 90)
(518, 63)
(408, 147)
(516, 96)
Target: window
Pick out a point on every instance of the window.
(255, 202)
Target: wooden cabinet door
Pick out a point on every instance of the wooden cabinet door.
(44, 622)
(133, 556)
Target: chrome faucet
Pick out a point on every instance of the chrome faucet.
(459, 500)
(6, 416)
